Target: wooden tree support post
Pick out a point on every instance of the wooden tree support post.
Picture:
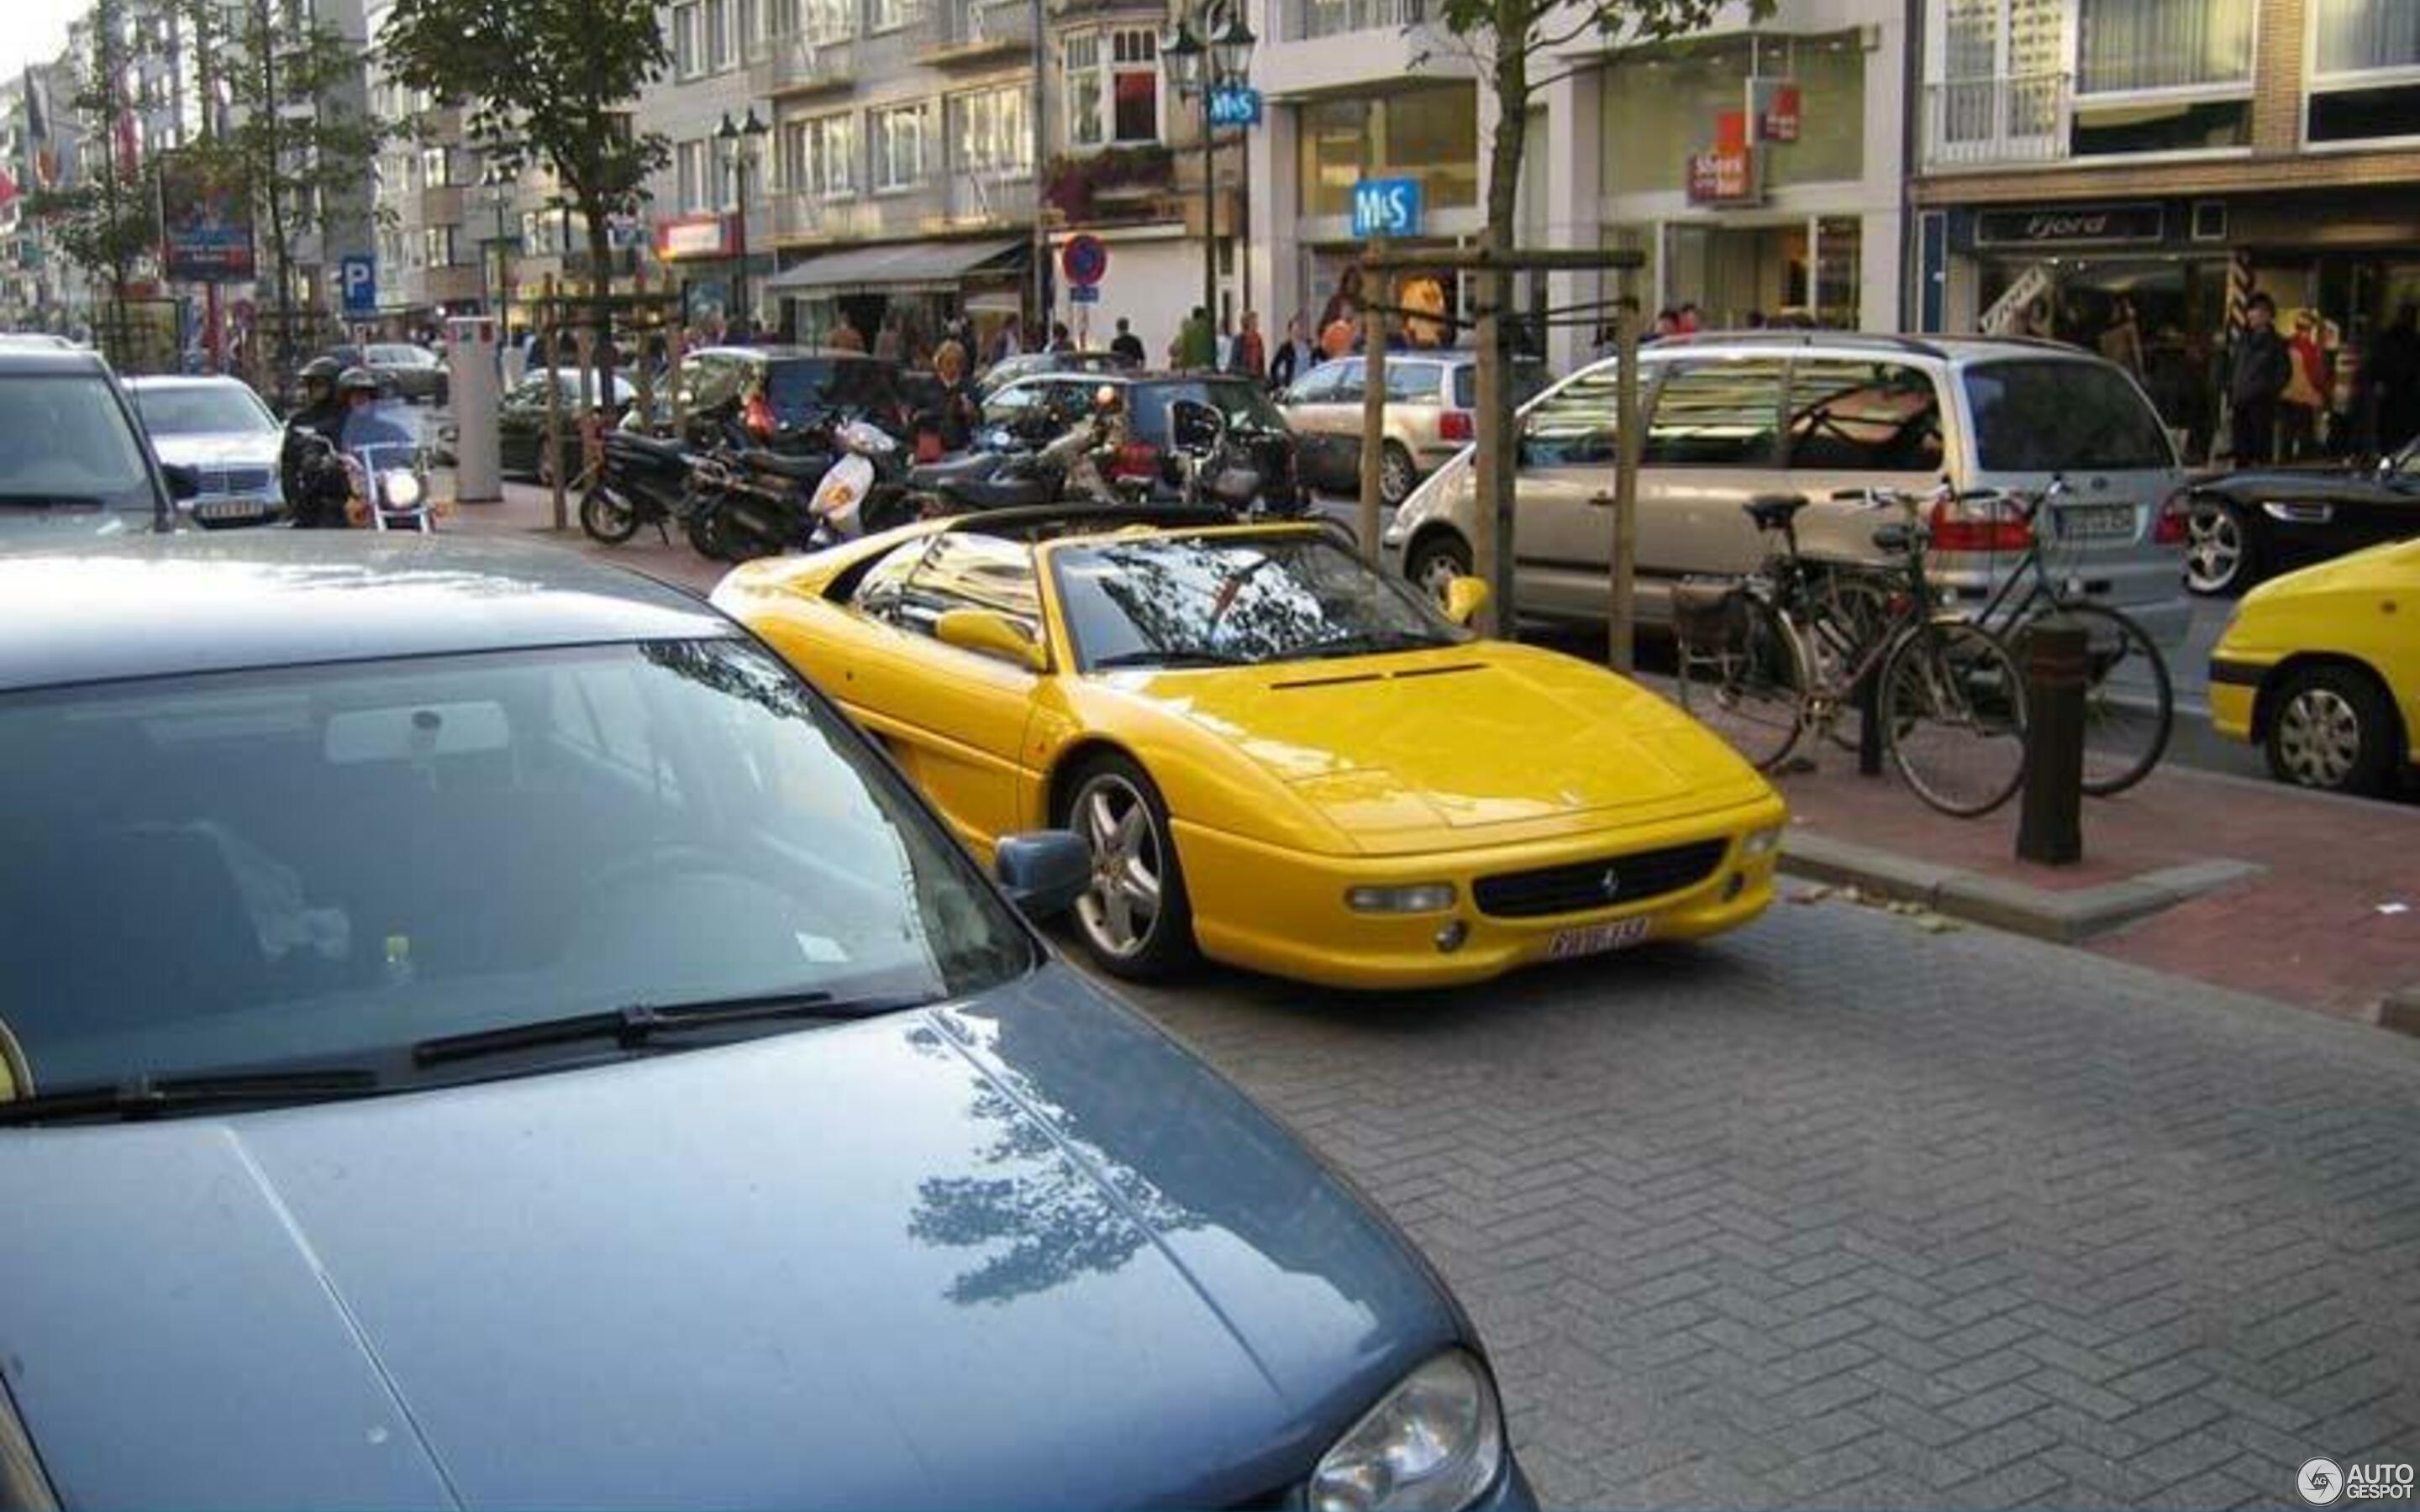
(1374, 414)
(548, 313)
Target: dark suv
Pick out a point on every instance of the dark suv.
(1251, 420)
(73, 456)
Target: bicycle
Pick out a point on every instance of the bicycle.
(2129, 703)
(1766, 660)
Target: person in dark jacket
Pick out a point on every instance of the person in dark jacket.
(313, 479)
(1294, 356)
(2395, 381)
(2255, 376)
(1126, 344)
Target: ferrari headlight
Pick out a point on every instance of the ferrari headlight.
(1434, 1444)
(1420, 898)
(403, 489)
(1761, 841)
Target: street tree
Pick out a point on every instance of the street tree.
(108, 222)
(549, 81)
(1521, 48)
(281, 117)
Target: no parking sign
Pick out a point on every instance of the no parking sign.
(1085, 260)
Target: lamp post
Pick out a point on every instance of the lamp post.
(740, 142)
(1199, 69)
(499, 185)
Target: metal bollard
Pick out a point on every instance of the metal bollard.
(2058, 661)
(1869, 724)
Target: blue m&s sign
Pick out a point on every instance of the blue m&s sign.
(1387, 208)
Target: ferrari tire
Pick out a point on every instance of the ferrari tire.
(1136, 920)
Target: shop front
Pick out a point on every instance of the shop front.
(2159, 285)
(921, 287)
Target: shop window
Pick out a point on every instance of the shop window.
(1864, 417)
(1716, 414)
(1661, 105)
(1429, 132)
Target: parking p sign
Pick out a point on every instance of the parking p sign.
(360, 277)
(1387, 208)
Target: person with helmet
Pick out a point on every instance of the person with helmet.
(370, 435)
(307, 467)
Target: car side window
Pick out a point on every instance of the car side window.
(1314, 387)
(1573, 426)
(1412, 382)
(710, 381)
(1348, 387)
(1864, 417)
(1716, 414)
(971, 571)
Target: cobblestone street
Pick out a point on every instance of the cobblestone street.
(1839, 1213)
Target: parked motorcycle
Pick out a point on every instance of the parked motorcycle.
(1005, 475)
(644, 482)
(749, 503)
(864, 491)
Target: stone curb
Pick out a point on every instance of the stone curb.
(2064, 918)
(2399, 1011)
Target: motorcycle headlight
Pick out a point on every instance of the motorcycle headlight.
(402, 487)
(1434, 1444)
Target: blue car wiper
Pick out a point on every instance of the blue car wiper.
(636, 1024)
(151, 1097)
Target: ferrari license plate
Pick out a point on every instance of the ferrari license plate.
(1596, 939)
(2099, 521)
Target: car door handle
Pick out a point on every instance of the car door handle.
(1602, 499)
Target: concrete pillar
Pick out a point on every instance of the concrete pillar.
(1276, 261)
(1574, 148)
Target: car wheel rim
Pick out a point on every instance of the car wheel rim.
(2213, 548)
(1122, 910)
(2319, 734)
(1394, 476)
(1437, 573)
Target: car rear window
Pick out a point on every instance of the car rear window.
(1240, 400)
(2053, 415)
(1529, 380)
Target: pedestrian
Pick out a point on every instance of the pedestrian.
(890, 343)
(1756, 320)
(1126, 344)
(1686, 319)
(959, 407)
(2393, 369)
(2255, 376)
(1346, 303)
(1668, 323)
(845, 336)
(2122, 342)
(2305, 398)
(1250, 355)
(1008, 343)
(1196, 348)
(1294, 356)
(1338, 337)
(1061, 339)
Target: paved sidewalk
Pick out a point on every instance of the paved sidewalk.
(528, 512)
(2251, 885)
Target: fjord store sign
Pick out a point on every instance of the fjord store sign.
(2071, 225)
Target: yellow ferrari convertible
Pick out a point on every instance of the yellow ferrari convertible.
(1282, 760)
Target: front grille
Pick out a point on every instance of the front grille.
(223, 481)
(1581, 886)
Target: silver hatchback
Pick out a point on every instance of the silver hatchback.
(1730, 417)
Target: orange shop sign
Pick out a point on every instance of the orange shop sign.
(1724, 175)
(693, 237)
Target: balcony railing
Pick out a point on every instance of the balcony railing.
(1337, 18)
(1988, 123)
(950, 202)
(979, 28)
(801, 62)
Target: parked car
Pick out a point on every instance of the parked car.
(1149, 452)
(1029, 364)
(416, 373)
(1735, 416)
(1283, 760)
(2321, 669)
(778, 388)
(451, 988)
(218, 428)
(1432, 398)
(521, 421)
(2245, 526)
(73, 458)
(38, 340)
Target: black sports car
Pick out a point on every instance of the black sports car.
(2249, 526)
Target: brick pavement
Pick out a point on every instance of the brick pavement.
(1838, 1212)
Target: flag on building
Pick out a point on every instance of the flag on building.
(41, 161)
(8, 189)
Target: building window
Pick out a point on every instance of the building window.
(2364, 36)
(694, 165)
(684, 41)
(898, 146)
(819, 155)
(2364, 71)
(745, 16)
(890, 15)
(992, 132)
(437, 242)
(1085, 90)
(1134, 86)
(716, 23)
(1429, 132)
(2161, 76)
(782, 18)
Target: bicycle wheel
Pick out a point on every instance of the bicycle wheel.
(1740, 676)
(1852, 611)
(2128, 704)
(1953, 709)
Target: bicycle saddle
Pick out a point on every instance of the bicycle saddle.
(1774, 510)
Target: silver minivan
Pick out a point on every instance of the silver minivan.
(1733, 416)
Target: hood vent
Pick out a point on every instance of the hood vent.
(1324, 682)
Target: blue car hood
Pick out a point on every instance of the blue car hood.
(1022, 1250)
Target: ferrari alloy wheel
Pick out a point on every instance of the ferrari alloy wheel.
(2333, 730)
(1135, 920)
(2218, 548)
(1396, 475)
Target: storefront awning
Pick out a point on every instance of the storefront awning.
(900, 268)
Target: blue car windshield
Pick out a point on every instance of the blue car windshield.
(324, 865)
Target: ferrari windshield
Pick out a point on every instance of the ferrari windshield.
(1216, 600)
(327, 865)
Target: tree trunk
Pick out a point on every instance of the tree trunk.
(272, 156)
(1497, 452)
(600, 288)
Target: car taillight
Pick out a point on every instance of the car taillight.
(2169, 528)
(759, 417)
(1136, 460)
(1979, 525)
(1454, 425)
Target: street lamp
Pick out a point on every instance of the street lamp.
(739, 141)
(1197, 67)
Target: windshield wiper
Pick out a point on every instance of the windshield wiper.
(1170, 659)
(1371, 642)
(151, 1097)
(637, 1024)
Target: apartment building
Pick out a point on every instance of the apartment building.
(427, 260)
(2083, 157)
